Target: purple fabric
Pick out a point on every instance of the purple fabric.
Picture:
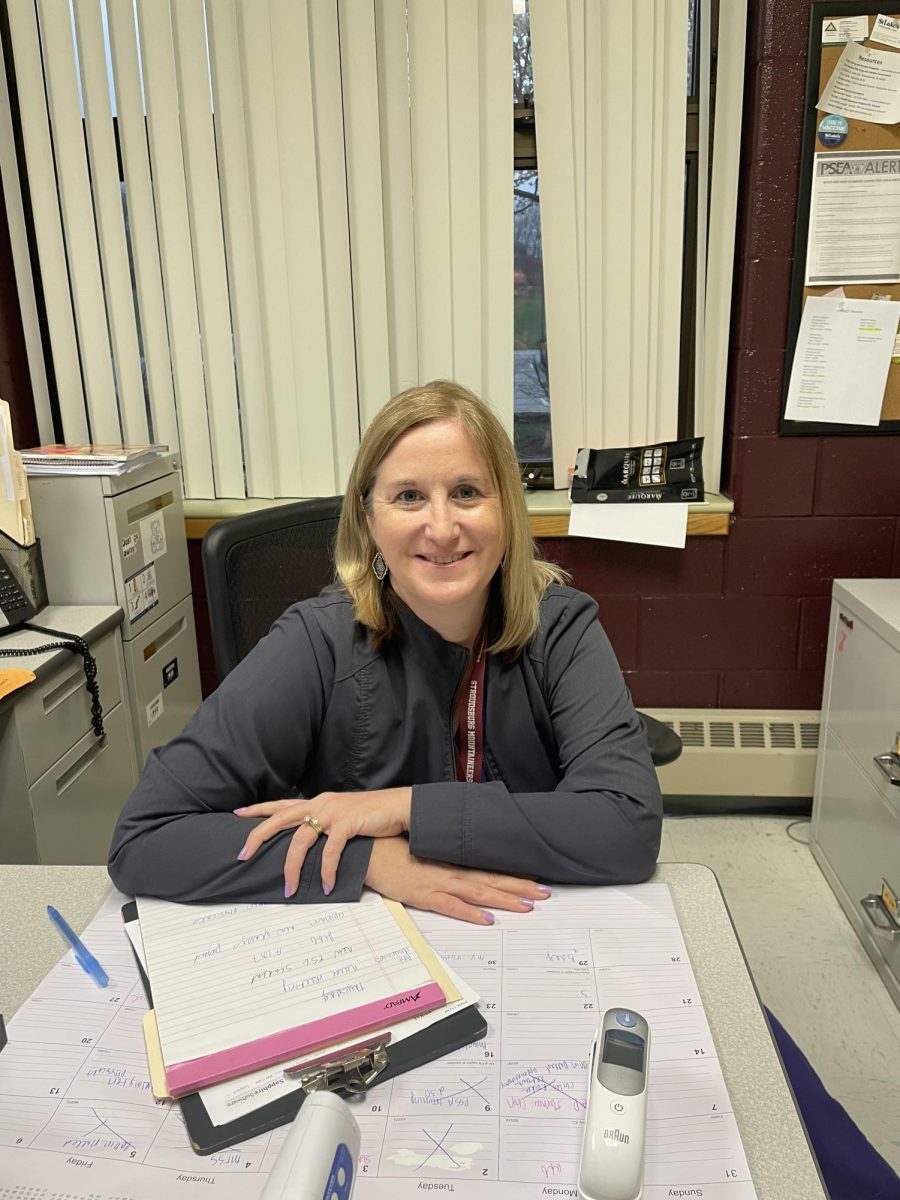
(851, 1167)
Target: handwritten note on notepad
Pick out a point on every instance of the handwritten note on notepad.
(239, 986)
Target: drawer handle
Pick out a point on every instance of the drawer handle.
(882, 921)
(889, 764)
(80, 766)
(164, 638)
(69, 686)
(149, 506)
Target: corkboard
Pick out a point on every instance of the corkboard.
(861, 135)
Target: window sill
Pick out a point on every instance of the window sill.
(548, 513)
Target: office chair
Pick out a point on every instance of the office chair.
(259, 564)
(665, 744)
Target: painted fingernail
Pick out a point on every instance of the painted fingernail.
(542, 887)
(489, 917)
(527, 903)
(243, 854)
(243, 808)
(326, 888)
(288, 891)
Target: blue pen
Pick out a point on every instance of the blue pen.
(84, 957)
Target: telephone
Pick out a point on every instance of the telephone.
(15, 607)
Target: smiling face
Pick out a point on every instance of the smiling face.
(435, 516)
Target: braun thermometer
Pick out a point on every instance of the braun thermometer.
(612, 1151)
(318, 1158)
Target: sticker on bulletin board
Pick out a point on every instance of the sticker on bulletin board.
(838, 30)
(153, 536)
(833, 129)
(886, 30)
(155, 709)
(141, 592)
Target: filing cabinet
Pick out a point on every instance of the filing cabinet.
(120, 539)
(63, 787)
(163, 674)
(856, 806)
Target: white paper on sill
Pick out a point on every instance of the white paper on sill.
(651, 522)
(841, 360)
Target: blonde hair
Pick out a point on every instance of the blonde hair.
(524, 575)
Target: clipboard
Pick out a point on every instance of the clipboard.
(378, 1063)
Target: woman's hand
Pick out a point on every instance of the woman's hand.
(342, 815)
(457, 892)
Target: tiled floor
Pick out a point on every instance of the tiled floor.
(809, 966)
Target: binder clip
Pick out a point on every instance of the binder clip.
(354, 1072)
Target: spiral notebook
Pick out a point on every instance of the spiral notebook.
(237, 987)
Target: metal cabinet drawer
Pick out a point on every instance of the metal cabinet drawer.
(857, 833)
(864, 696)
(54, 713)
(77, 802)
(149, 551)
(163, 677)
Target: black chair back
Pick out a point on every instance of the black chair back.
(259, 564)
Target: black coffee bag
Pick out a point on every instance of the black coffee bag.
(670, 471)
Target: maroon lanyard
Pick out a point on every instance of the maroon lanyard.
(470, 740)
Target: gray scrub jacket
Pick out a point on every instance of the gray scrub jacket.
(571, 794)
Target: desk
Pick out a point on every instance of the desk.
(780, 1161)
(61, 787)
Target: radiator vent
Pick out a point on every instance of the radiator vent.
(741, 752)
(746, 735)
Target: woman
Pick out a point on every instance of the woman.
(451, 720)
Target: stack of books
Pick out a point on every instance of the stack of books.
(89, 459)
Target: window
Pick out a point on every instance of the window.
(533, 388)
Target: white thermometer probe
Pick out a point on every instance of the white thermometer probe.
(319, 1155)
(612, 1152)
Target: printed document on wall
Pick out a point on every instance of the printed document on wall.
(854, 219)
(841, 360)
(864, 85)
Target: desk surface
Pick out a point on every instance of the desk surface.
(89, 621)
(773, 1136)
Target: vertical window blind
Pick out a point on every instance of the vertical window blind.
(312, 213)
(256, 220)
(609, 83)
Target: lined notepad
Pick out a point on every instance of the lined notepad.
(239, 986)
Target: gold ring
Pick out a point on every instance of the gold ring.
(314, 823)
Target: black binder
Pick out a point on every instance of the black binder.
(348, 1077)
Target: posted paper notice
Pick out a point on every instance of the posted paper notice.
(865, 85)
(663, 524)
(854, 218)
(841, 360)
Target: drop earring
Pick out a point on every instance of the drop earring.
(379, 566)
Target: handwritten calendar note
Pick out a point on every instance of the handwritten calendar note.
(497, 1120)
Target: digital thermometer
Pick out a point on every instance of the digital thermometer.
(319, 1155)
(612, 1151)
